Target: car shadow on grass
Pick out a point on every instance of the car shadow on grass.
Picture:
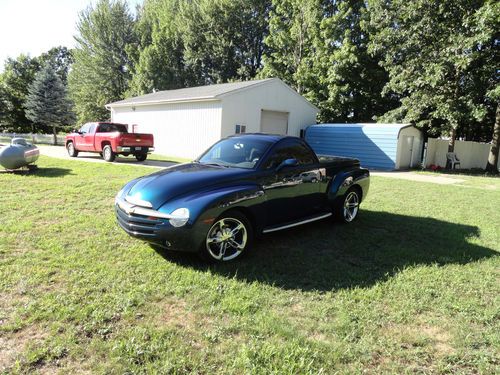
(327, 256)
(40, 172)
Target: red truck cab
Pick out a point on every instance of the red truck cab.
(109, 139)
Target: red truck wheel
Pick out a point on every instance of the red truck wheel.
(72, 152)
(108, 154)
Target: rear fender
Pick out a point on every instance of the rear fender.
(345, 180)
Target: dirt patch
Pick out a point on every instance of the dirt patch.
(12, 345)
(176, 313)
(423, 335)
(441, 340)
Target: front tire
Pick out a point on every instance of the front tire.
(228, 238)
(72, 152)
(108, 154)
(348, 208)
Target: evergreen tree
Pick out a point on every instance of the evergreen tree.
(60, 58)
(102, 68)
(47, 104)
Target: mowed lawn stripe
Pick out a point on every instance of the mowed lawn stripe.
(412, 286)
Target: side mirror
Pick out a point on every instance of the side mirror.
(287, 163)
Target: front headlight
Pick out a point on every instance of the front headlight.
(181, 217)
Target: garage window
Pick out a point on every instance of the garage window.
(240, 129)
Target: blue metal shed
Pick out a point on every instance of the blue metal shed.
(377, 146)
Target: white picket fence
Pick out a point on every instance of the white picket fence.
(33, 138)
(471, 154)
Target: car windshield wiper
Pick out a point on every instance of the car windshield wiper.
(216, 164)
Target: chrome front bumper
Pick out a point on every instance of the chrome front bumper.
(129, 209)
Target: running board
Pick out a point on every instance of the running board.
(297, 223)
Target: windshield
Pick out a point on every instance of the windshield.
(240, 152)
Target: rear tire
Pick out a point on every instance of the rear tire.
(229, 238)
(141, 157)
(108, 154)
(72, 152)
(347, 210)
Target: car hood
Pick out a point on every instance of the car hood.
(160, 187)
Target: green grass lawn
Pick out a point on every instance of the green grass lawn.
(412, 287)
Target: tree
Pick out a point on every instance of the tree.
(320, 48)
(352, 77)
(223, 39)
(436, 62)
(14, 82)
(159, 58)
(47, 104)
(101, 71)
(293, 27)
(60, 58)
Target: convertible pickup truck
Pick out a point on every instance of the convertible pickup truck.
(109, 139)
(243, 186)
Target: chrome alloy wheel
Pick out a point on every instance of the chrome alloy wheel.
(351, 206)
(226, 239)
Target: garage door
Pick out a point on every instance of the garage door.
(274, 122)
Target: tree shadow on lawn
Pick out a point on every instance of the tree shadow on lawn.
(326, 256)
(40, 172)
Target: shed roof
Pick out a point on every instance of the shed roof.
(190, 94)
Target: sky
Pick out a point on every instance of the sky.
(35, 26)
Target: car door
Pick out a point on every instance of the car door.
(80, 141)
(88, 138)
(293, 192)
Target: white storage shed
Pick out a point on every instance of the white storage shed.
(185, 122)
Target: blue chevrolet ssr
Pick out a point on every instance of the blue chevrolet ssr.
(243, 186)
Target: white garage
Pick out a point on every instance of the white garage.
(185, 122)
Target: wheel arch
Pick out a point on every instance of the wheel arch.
(106, 143)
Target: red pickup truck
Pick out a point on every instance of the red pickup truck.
(109, 139)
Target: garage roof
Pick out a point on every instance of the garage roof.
(189, 94)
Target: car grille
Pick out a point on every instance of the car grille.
(138, 225)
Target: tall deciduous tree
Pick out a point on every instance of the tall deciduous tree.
(101, 70)
(293, 27)
(223, 39)
(159, 60)
(47, 104)
(320, 48)
(14, 82)
(435, 60)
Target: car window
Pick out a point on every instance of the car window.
(111, 128)
(241, 152)
(85, 128)
(92, 129)
(289, 150)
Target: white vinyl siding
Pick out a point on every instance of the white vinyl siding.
(182, 129)
(245, 107)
